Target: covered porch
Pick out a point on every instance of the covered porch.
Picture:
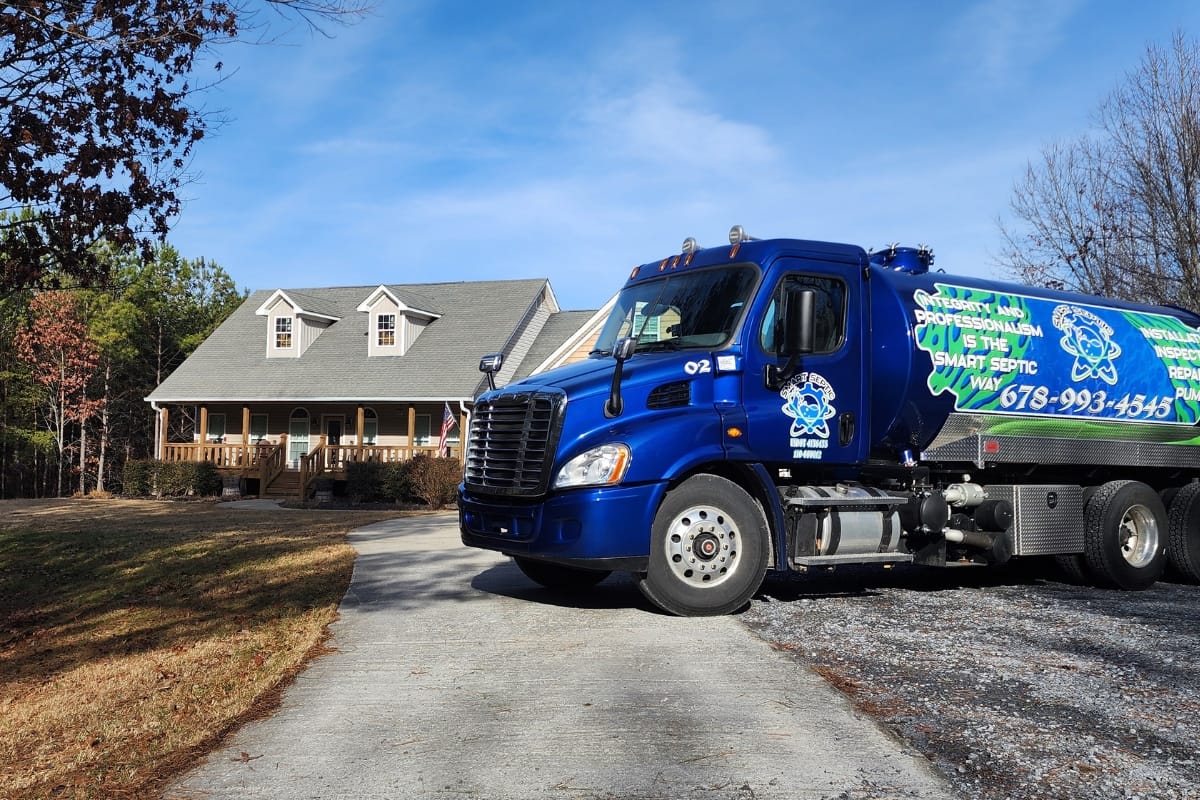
(285, 448)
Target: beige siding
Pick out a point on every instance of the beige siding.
(412, 329)
(309, 331)
(281, 310)
(384, 305)
(581, 352)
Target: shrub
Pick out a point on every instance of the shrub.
(364, 481)
(397, 482)
(169, 478)
(435, 481)
(173, 478)
(205, 480)
(137, 478)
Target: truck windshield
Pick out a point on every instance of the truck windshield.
(686, 310)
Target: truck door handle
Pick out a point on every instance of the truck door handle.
(845, 428)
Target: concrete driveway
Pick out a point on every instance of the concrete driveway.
(457, 677)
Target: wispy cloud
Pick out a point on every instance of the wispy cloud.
(1000, 41)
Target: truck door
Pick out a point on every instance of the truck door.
(816, 415)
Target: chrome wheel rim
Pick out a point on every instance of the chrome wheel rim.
(1138, 536)
(702, 546)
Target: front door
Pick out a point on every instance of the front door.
(333, 430)
(816, 417)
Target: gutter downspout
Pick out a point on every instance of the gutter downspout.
(157, 430)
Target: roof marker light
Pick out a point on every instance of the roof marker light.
(737, 235)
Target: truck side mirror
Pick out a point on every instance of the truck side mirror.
(491, 364)
(622, 351)
(799, 322)
(797, 318)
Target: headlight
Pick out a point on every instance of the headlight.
(599, 466)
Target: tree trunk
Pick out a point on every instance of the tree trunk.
(83, 456)
(103, 429)
(61, 426)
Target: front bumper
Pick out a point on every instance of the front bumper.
(597, 528)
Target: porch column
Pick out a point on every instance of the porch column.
(359, 422)
(162, 441)
(462, 437)
(245, 437)
(203, 432)
(412, 431)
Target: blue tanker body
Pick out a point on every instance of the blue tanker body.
(788, 404)
(1090, 367)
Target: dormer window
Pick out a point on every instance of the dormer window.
(293, 322)
(283, 333)
(386, 327)
(395, 320)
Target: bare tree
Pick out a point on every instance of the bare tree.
(98, 116)
(1117, 211)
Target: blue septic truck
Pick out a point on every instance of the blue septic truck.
(788, 404)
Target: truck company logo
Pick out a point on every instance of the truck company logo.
(1008, 353)
(1089, 339)
(808, 400)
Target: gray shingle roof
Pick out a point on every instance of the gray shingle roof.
(310, 304)
(556, 331)
(477, 318)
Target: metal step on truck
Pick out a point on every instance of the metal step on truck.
(788, 404)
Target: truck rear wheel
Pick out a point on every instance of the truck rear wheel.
(1183, 532)
(559, 577)
(1124, 535)
(709, 548)
(1073, 565)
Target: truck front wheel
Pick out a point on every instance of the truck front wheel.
(1125, 535)
(709, 548)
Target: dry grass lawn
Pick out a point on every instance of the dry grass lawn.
(135, 634)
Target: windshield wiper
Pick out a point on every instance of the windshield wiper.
(600, 351)
(664, 344)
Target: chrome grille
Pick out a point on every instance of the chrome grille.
(512, 441)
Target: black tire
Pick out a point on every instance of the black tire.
(1183, 533)
(560, 577)
(1125, 528)
(1073, 568)
(709, 548)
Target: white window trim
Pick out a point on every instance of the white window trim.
(291, 333)
(395, 330)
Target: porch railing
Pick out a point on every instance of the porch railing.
(222, 456)
(336, 458)
(272, 464)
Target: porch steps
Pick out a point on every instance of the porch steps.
(286, 484)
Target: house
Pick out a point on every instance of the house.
(298, 383)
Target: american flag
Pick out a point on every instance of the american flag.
(448, 424)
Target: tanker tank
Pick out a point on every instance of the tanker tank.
(956, 357)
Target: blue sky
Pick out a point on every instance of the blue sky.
(570, 139)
